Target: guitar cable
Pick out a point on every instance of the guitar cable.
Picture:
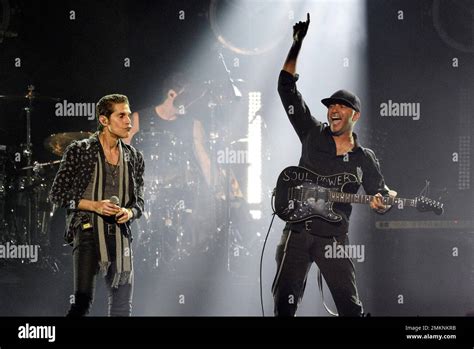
(261, 264)
(320, 280)
(263, 251)
(320, 285)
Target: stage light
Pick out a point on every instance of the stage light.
(254, 183)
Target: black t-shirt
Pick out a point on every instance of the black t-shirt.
(319, 155)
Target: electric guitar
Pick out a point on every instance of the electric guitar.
(301, 194)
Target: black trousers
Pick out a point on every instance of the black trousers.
(294, 256)
(86, 267)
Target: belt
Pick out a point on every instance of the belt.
(110, 229)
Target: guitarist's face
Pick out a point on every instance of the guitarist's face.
(341, 118)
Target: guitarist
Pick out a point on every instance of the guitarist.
(327, 149)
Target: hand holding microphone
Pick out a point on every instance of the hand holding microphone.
(124, 214)
(108, 207)
(111, 208)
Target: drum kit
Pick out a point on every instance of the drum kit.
(184, 219)
(166, 232)
(25, 210)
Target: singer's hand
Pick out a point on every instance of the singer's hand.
(300, 29)
(106, 208)
(124, 215)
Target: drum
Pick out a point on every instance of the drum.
(169, 161)
(172, 177)
(28, 209)
(6, 176)
(166, 232)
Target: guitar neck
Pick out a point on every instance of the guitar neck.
(335, 196)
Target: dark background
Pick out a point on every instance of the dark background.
(408, 61)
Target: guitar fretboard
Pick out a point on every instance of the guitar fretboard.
(301, 193)
(366, 199)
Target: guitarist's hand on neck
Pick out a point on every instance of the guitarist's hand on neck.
(377, 204)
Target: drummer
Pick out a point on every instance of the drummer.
(179, 167)
(171, 116)
(185, 135)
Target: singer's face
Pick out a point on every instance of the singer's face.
(119, 123)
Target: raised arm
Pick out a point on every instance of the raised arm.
(299, 32)
(295, 107)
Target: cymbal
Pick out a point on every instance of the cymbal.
(57, 143)
(28, 97)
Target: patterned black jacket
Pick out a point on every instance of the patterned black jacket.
(76, 170)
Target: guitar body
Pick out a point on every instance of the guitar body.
(301, 194)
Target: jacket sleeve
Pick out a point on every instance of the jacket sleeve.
(373, 181)
(295, 107)
(138, 205)
(63, 191)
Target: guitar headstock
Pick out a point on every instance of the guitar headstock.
(424, 204)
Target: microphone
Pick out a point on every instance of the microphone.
(114, 199)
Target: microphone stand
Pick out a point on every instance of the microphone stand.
(235, 90)
(28, 152)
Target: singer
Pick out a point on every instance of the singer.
(100, 182)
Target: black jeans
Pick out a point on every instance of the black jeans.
(294, 256)
(86, 267)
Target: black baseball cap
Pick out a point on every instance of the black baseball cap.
(343, 97)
